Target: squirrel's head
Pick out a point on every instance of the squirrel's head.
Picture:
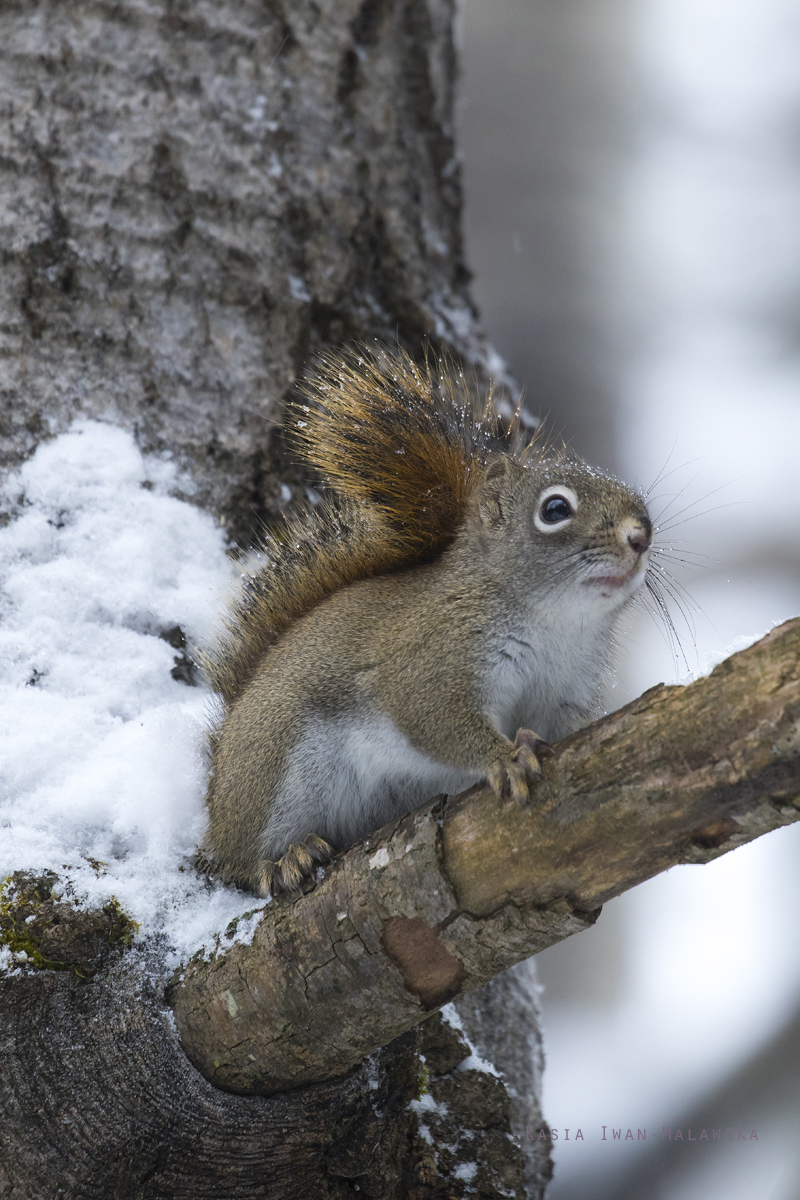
(576, 533)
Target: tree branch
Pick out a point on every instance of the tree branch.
(449, 897)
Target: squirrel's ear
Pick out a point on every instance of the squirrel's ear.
(494, 493)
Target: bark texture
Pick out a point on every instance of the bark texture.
(195, 198)
(503, 1021)
(198, 196)
(115, 1109)
(440, 903)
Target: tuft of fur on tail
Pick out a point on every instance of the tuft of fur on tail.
(403, 448)
(407, 441)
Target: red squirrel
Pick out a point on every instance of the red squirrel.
(439, 621)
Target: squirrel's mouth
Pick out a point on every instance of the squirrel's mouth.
(611, 583)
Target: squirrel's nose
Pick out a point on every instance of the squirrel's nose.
(639, 539)
(638, 534)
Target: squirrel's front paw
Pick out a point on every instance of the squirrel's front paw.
(515, 774)
(297, 864)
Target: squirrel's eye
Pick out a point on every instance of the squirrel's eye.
(556, 505)
(555, 509)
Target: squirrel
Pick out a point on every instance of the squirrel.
(407, 635)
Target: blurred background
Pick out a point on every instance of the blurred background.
(632, 175)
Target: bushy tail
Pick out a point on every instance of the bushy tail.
(403, 447)
(409, 442)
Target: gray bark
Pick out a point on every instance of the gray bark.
(196, 198)
(114, 1108)
(498, 1019)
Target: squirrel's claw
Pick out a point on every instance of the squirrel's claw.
(516, 775)
(532, 741)
(297, 864)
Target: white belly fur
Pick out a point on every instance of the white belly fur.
(348, 777)
(549, 685)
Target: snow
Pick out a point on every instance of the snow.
(427, 1104)
(475, 1062)
(103, 759)
(379, 859)
(713, 658)
(466, 1171)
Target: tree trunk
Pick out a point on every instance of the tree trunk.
(197, 198)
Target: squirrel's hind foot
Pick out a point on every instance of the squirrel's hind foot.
(515, 775)
(293, 867)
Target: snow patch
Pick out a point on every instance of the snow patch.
(103, 761)
(466, 1171)
(427, 1104)
(379, 859)
(715, 657)
(475, 1062)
